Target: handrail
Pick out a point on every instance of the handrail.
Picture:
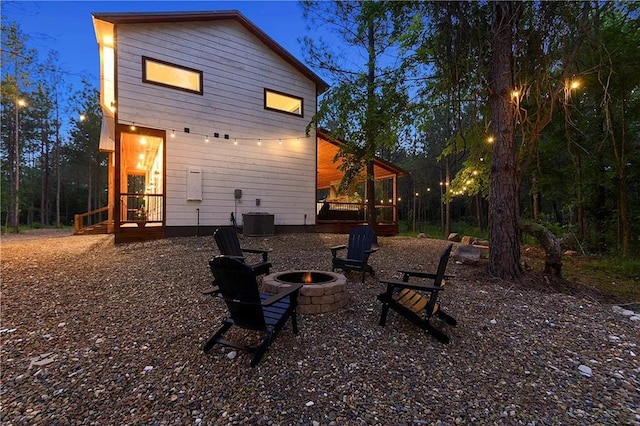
(78, 219)
(332, 211)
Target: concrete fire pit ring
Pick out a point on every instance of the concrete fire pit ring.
(327, 294)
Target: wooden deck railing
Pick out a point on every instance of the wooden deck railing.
(354, 212)
(141, 208)
(84, 220)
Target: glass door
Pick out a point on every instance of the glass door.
(141, 180)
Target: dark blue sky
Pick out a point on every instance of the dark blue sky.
(66, 26)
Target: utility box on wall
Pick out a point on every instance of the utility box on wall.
(194, 184)
(258, 224)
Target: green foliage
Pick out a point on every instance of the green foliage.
(47, 153)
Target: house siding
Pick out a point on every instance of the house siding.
(237, 67)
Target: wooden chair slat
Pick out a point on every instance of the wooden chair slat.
(238, 287)
(359, 249)
(417, 302)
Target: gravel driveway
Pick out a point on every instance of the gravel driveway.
(98, 334)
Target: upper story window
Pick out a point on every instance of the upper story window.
(155, 71)
(282, 102)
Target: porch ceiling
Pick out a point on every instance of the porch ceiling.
(329, 171)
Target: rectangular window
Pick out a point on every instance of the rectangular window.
(281, 102)
(155, 71)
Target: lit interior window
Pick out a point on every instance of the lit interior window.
(277, 101)
(170, 75)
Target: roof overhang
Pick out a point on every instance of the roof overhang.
(207, 16)
(329, 169)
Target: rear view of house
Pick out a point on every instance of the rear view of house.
(205, 115)
(205, 121)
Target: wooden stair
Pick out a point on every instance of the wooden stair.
(98, 228)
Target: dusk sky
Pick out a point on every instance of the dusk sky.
(66, 26)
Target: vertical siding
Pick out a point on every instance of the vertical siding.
(237, 67)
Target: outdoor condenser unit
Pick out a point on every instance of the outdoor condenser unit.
(257, 224)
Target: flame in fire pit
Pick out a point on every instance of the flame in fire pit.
(307, 278)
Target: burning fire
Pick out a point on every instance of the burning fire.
(306, 278)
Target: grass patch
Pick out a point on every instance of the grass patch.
(616, 276)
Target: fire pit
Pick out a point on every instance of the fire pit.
(322, 291)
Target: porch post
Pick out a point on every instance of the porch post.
(395, 199)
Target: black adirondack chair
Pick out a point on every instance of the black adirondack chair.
(248, 308)
(358, 251)
(418, 302)
(229, 245)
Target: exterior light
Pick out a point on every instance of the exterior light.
(490, 139)
(173, 133)
(83, 117)
(132, 127)
(515, 94)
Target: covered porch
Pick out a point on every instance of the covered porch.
(340, 209)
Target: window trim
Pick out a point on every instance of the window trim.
(146, 59)
(277, 92)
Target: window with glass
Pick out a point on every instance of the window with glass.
(282, 102)
(166, 74)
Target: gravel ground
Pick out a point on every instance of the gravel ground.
(98, 334)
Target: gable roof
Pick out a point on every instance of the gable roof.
(205, 16)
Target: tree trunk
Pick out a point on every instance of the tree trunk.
(504, 232)
(552, 246)
(479, 211)
(535, 194)
(370, 132)
(58, 177)
(447, 210)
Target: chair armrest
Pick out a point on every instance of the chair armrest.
(282, 294)
(263, 252)
(373, 250)
(421, 274)
(412, 286)
(334, 249)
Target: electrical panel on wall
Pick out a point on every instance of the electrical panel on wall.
(194, 184)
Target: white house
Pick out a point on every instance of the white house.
(205, 116)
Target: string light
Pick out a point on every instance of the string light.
(236, 139)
